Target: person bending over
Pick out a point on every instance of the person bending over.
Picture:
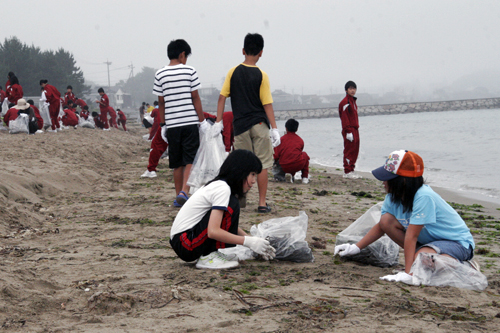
(415, 217)
(209, 220)
(289, 155)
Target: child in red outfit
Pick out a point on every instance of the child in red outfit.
(10, 115)
(97, 120)
(122, 119)
(348, 113)
(112, 116)
(38, 117)
(69, 96)
(70, 118)
(54, 99)
(103, 106)
(85, 112)
(289, 155)
(15, 91)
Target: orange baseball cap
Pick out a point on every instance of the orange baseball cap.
(403, 163)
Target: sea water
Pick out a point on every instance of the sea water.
(460, 149)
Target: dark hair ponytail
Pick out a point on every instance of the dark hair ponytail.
(403, 189)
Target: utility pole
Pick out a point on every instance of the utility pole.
(131, 70)
(109, 81)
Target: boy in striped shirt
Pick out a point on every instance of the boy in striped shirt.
(180, 111)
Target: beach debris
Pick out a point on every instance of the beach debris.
(319, 243)
(320, 193)
(362, 194)
(109, 302)
(28, 232)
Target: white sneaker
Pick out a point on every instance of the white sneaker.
(39, 132)
(217, 260)
(106, 129)
(149, 174)
(52, 131)
(352, 175)
(305, 180)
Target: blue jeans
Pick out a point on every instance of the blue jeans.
(451, 248)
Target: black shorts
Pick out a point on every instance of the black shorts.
(191, 244)
(146, 123)
(183, 143)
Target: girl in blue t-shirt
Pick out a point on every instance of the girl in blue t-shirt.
(415, 217)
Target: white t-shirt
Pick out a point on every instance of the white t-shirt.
(175, 84)
(215, 195)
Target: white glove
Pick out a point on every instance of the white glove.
(260, 246)
(400, 277)
(164, 133)
(349, 137)
(275, 137)
(218, 127)
(204, 126)
(346, 250)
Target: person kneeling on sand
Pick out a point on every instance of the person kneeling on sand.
(415, 217)
(209, 220)
(97, 120)
(289, 156)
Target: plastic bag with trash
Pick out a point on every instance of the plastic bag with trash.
(45, 114)
(20, 124)
(382, 253)
(286, 234)
(436, 270)
(86, 123)
(209, 158)
(5, 107)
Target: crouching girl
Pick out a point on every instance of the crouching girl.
(415, 217)
(209, 220)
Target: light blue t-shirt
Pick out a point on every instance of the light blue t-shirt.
(440, 220)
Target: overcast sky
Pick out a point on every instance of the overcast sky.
(310, 46)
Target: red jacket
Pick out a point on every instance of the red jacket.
(80, 102)
(69, 118)
(112, 112)
(348, 113)
(68, 96)
(98, 122)
(39, 118)
(84, 114)
(15, 92)
(10, 115)
(290, 149)
(155, 114)
(105, 103)
(122, 116)
(2, 95)
(7, 86)
(53, 95)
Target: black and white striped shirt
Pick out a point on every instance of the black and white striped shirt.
(175, 84)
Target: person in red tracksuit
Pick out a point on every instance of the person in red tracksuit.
(80, 102)
(10, 115)
(155, 114)
(15, 91)
(289, 155)
(70, 118)
(69, 96)
(39, 119)
(228, 131)
(112, 117)
(122, 119)
(348, 113)
(7, 84)
(54, 99)
(85, 112)
(103, 106)
(97, 120)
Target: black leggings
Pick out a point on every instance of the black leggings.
(191, 244)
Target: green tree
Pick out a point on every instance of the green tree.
(31, 65)
(140, 86)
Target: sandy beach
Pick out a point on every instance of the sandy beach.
(84, 248)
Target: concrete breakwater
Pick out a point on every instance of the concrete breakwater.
(372, 110)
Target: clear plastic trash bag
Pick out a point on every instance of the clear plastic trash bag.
(287, 235)
(209, 158)
(149, 119)
(45, 114)
(20, 124)
(89, 123)
(382, 253)
(433, 269)
(5, 107)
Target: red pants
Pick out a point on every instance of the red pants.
(302, 165)
(68, 122)
(154, 129)
(104, 118)
(112, 121)
(158, 147)
(351, 151)
(122, 122)
(54, 113)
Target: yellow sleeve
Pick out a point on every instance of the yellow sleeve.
(226, 87)
(265, 90)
